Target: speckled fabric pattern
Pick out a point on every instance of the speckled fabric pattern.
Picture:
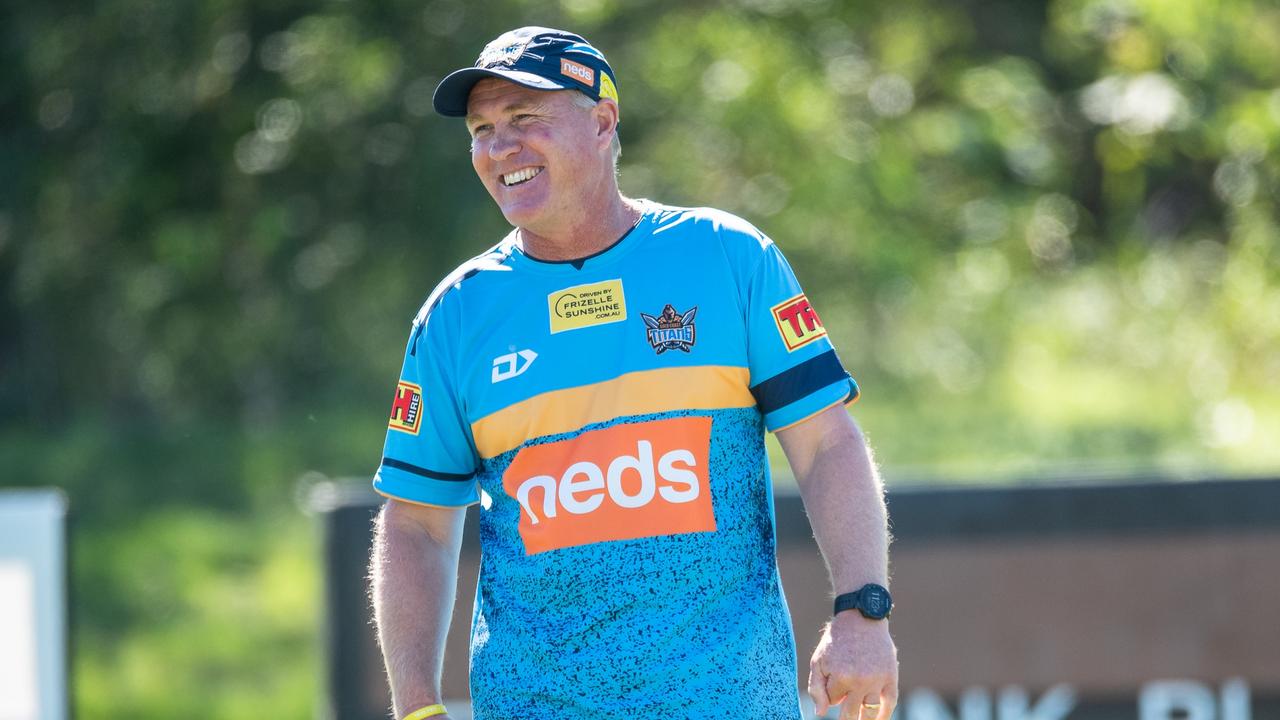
(689, 625)
(609, 415)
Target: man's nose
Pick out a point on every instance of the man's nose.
(504, 145)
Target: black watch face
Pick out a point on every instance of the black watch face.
(875, 601)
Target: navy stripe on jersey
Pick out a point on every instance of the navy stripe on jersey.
(407, 467)
(796, 382)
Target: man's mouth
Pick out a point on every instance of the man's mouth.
(522, 175)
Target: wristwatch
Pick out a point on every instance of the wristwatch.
(872, 600)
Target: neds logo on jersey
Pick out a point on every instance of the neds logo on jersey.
(406, 408)
(618, 483)
(797, 322)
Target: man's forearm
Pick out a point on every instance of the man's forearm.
(413, 576)
(855, 662)
(844, 498)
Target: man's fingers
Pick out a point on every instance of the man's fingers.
(888, 701)
(886, 708)
(874, 706)
(849, 709)
(861, 705)
(845, 692)
(871, 708)
(838, 686)
(818, 689)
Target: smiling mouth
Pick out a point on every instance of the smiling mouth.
(523, 175)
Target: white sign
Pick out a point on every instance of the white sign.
(33, 633)
(19, 694)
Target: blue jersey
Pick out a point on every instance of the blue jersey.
(609, 415)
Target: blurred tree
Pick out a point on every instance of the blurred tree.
(1041, 233)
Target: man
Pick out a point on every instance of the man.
(600, 381)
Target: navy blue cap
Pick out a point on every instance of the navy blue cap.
(535, 57)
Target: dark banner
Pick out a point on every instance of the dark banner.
(1134, 601)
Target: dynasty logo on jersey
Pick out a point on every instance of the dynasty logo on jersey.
(512, 365)
(671, 330)
(583, 306)
(618, 483)
(798, 322)
(406, 408)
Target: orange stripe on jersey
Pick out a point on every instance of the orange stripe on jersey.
(708, 387)
(622, 482)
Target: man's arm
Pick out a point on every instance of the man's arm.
(855, 661)
(413, 575)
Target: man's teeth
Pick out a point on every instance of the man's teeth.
(520, 176)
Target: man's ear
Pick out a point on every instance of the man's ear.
(606, 116)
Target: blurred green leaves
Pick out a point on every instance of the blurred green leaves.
(1042, 234)
(225, 628)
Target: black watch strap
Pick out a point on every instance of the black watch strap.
(872, 600)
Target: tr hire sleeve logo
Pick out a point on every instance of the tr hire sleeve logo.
(797, 322)
(406, 408)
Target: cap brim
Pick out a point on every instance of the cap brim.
(451, 94)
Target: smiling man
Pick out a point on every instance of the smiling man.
(601, 381)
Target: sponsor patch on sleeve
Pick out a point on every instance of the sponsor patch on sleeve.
(797, 322)
(583, 306)
(406, 408)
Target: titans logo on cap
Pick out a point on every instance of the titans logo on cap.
(502, 52)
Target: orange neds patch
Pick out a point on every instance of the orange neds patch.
(578, 71)
(618, 483)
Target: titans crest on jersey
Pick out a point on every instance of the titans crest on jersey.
(609, 414)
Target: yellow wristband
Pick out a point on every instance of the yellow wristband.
(426, 712)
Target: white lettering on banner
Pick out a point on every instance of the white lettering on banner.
(1190, 700)
(925, 704)
(1167, 699)
(1055, 704)
(1157, 700)
(1235, 700)
(975, 703)
(1012, 703)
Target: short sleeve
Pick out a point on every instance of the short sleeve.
(795, 372)
(428, 456)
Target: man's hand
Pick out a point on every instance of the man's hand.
(855, 664)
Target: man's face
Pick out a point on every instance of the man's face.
(534, 150)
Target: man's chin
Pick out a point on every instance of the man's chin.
(520, 216)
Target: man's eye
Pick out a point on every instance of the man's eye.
(522, 116)
(480, 130)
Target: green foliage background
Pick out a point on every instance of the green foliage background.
(1043, 235)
